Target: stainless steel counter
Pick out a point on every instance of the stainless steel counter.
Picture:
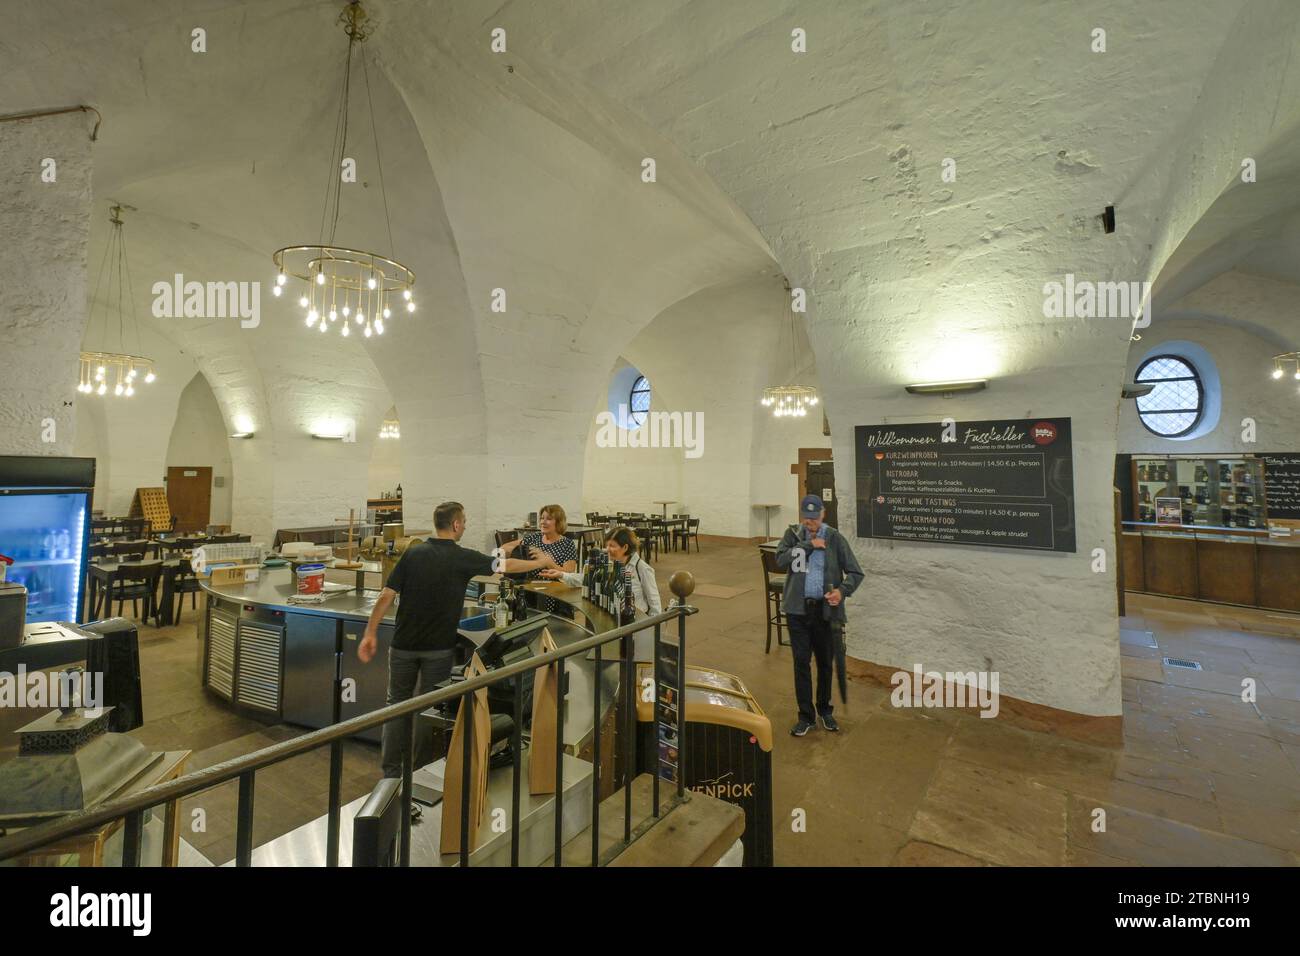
(279, 660)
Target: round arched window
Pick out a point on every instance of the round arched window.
(1175, 405)
(638, 401)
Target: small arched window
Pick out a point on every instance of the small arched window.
(1175, 405)
(638, 401)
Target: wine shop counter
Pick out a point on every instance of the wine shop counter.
(1225, 565)
(277, 661)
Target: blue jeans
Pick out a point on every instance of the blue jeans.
(812, 636)
(406, 670)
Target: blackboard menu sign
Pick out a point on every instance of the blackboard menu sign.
(1006, 484)
(1282, 485)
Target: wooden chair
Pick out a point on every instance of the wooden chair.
(773, 590)
(649, 544)
(134, 583)
(130, 550)
(684, 535)
(184, 583)
(101, 550)
(504, 536)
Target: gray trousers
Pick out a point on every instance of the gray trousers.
(406, 671)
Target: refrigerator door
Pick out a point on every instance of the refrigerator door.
(44, 531)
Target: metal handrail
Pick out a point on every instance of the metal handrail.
(34, 837)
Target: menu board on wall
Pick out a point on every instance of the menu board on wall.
(1282, 485)
(1005, 483)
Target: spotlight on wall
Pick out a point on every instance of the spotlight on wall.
(327, 437)
(243, 435)
(1136, 389)
(948, 388)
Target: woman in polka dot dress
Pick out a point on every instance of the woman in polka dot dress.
(548, 544)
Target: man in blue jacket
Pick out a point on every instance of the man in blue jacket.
(821, 571)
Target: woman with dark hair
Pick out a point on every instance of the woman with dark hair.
(623, 548)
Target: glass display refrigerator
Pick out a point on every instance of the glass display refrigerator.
(1215, 492)
(45, 507)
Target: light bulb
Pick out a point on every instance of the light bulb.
(379, 326)
(324, 325)
(102, 388)
(1277, 372)
(100, 371)
(320, 278)
(410, 307)
(1297, 372)
(310, 320)
(130, 390)
(347, 310)
(117, 389)
(345, 329)
(130, 374)
(312, 316)
(150, 377)
(388, 313)
(372, 282)
(367, 331)
(406, 294)
(361, 316)
(333, 314)
(358, 320)
(280, 279)
(303, 301)
(275, 291)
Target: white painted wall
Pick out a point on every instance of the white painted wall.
(46, 230)
(200, 438)
(713, 352)
(1242, 320)
(385, 463)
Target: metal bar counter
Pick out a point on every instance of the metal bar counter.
(291, 662)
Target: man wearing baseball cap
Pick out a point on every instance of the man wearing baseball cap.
(821, 571)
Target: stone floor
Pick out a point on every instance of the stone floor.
(1202, 779)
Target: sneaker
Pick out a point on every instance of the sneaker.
(801, 728)
(829, 723)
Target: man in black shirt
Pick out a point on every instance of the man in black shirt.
(431, 577)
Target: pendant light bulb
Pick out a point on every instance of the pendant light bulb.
(150, 376)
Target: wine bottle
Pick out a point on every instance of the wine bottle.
(629, 602)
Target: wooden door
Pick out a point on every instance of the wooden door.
(189, 495)
(820, 481)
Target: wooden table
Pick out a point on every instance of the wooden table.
(99, 573)
(92, 843)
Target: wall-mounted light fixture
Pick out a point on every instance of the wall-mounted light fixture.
(1136, 389)
(243, 435)
(948, 388)
(327, 437)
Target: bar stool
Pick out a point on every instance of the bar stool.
(773, 591)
